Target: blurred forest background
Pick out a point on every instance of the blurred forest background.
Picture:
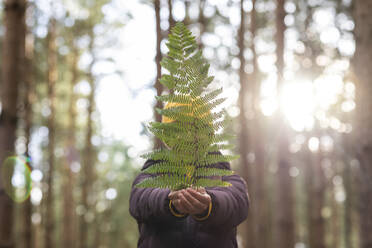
(77, 89)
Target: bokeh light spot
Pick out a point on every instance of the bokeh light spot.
(111, 193)
(16, 177)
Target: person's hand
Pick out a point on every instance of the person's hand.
(190, 201)
(196, 201)
(176, 202)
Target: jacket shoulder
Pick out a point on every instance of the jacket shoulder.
(220, 165)
(148, 163)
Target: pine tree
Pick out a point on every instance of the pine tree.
(194, 133)
(51, 80)
(285, 219)
(158, 86)
(12, 59)
(245, 137)
(363, 136)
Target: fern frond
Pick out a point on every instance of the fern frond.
(207, 119)
(206, 182)
(210, 96)
(209, 172)
(165, 181)
(216, 158)
(180, 98)
(207, 107)
(219, 147)
(166, 155)
(191, 126)
(181, 113)
(167, 167)
(222, 137)
(168, 81)
(171, 65)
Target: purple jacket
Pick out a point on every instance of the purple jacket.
(159, 228)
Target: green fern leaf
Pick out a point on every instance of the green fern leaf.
(191, 127)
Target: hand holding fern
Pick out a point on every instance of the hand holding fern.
(190, 201)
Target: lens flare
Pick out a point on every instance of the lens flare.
(16, 177)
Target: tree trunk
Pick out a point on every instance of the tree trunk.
(348, 206)
(170, 17)
(68, 234)
(261, 212)
(285, 211)
(29, 100)
(362, 66)
(315, 183)
(52, 79)
(244, 137)
(158, 85)
(335, 221)
(202, 22)
(285, 215)
(14, 11)
(187, 20)
(99, 224)
(88, 162)
(88, 166)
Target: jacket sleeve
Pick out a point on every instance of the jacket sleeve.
(149, 204)
(230, 204)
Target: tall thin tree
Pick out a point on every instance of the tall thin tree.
(171, 20)
(261, 213)
(315, 183)
(68, 234)
(285, 214)
(348, 205)
(244, 137)
(51, 80)
(202, 22)
(28, 116)
(14, 11)
(187, 19)
(335, 222)
(362, 68)
(158, 57)
(88, 153)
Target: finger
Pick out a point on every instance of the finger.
(196, 203)
(173, 194)
(203, 198)
(178, 206)
(186, 204)
(198, 192)
(201, 190)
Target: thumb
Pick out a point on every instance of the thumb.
(173, 194)
(201, 190)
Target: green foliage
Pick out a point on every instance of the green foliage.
(194, 131)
